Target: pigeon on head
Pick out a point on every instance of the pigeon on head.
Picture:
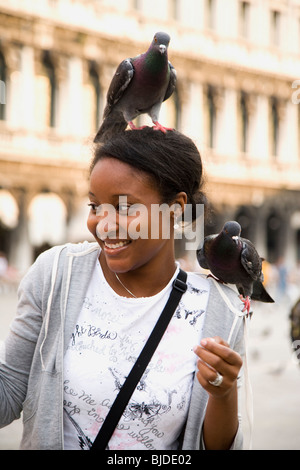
(234, 260)
(139, 86)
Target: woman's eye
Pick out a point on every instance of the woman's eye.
(123, 209)
(93, 206)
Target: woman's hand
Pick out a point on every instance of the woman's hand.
(215, 355)
(221, 418)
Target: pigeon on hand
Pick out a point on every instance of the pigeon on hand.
(234, 260)
(139, 86)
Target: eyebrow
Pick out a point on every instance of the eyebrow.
(117, 195)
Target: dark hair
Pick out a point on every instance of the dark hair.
(172, 160)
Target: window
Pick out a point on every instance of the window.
(274, 124)
(2, 87)
(298, 245)
(244, 115)
(95, 83)
(275, 28)
(244, 19)
(210, 8)
(136, 5)
(51, 88)
(298, 118)
(174, 9)
(211, 115)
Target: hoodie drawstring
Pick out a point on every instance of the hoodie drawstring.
(248, 387)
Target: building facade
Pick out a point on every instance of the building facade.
(238, 65)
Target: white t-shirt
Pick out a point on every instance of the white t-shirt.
(109, 335)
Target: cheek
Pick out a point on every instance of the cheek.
(92, 224)
(160, 225)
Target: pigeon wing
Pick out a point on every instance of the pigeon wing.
(113, 119)
(201, 256)
(201, 259)
(119, 84)
(251, 260)
(172, 82)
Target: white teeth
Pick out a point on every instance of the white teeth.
(116, 245)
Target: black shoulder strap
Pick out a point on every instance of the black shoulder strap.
(123, 397)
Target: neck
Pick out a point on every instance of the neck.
(144, 281)
(225, 246)
(155, 61)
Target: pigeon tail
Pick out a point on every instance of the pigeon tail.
(113, 124)
(260, 293)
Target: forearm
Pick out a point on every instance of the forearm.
(16, 360)
(14, 372)
(221, 421)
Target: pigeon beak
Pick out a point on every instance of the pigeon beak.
(162, 48)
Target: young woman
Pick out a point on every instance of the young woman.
(85, 312)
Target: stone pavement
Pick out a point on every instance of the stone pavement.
(274, 374)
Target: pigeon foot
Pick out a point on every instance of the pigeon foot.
(246, 302)
(159, 127)
(134, 128)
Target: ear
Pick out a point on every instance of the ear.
(179, 204)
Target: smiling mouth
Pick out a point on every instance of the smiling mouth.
(119, 244)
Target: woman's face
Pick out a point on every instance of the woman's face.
(125, 219)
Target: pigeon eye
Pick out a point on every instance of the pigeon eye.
(155, 39)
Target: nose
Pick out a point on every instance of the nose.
(107, 225)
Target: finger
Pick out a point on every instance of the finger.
(220, 340)
(211, 363)
(221, 349)
(205, 374)
(227, 367)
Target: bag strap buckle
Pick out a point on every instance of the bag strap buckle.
(180, 285)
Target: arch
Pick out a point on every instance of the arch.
(274, 234)
(47, 215)
(9, 210)
(246, 218)
(9, 220)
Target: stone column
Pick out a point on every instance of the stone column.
(27, 95)
(21, 255)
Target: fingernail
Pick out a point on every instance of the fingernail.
(203, 342)
(195, 348)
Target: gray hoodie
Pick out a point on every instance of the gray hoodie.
(50, 299)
